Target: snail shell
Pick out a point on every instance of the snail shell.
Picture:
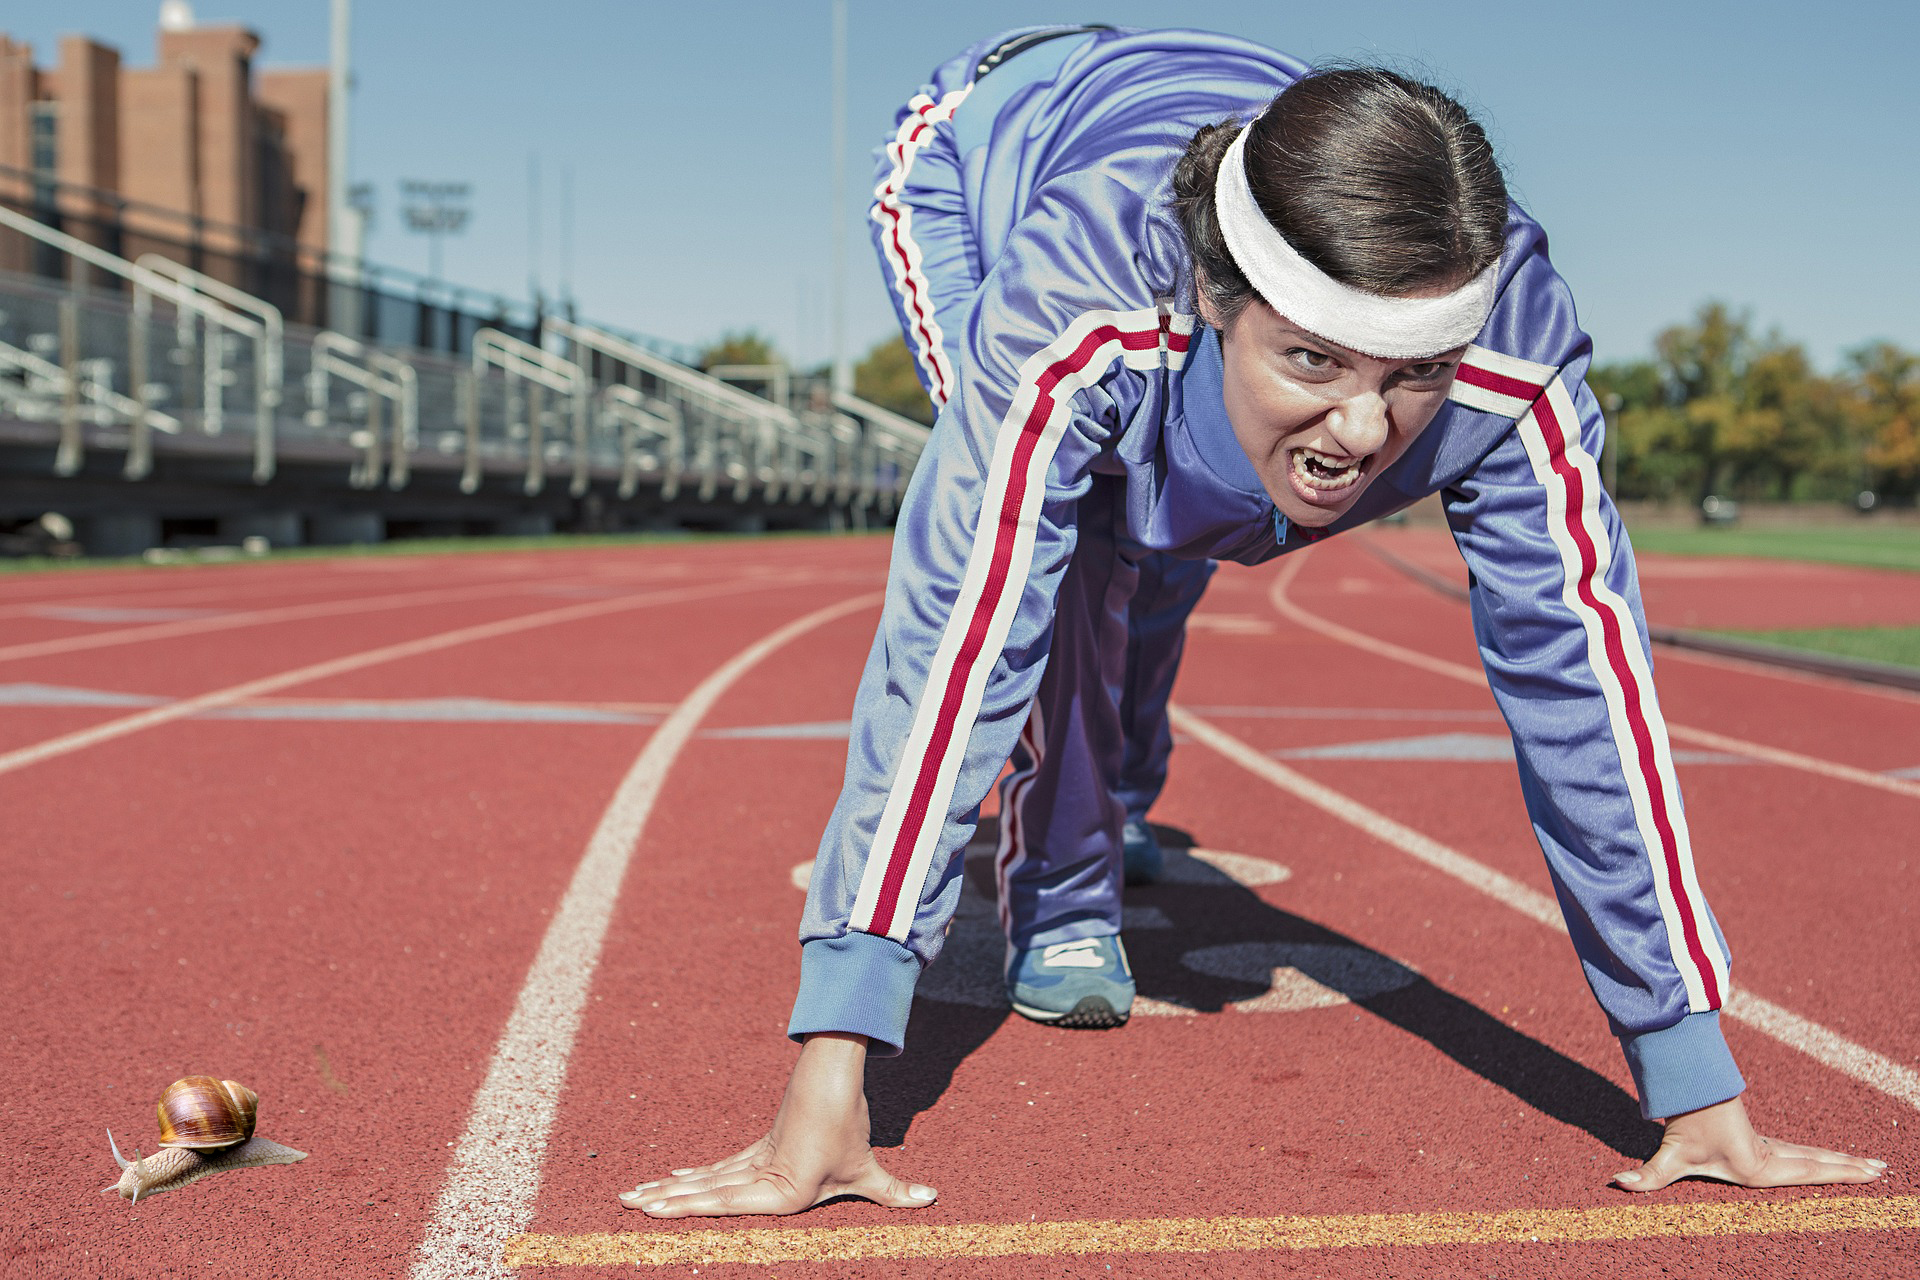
(206, 1126)
(204, 1114)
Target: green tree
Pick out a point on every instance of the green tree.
(1650, 462)
(1881, 408)
(749, 346)
(1735, 412)
(885, 375)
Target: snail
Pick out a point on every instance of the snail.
(206, 1126)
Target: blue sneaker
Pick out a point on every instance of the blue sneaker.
(1140, 858)
(1085, 983)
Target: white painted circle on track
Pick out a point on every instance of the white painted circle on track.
(1301, 975)
(1240, 867)
(969, 969)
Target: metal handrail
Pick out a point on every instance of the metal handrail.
(115, 405)
(904, 428)
(884, 432)
(523, 361)
(379, 374)
(149, 283)
(636, 412)
(687, 379)
(269, 371)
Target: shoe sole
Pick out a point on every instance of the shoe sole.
(1093, 1013)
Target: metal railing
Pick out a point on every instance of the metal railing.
(380, 377)
(84, 386)
(110, 352)
(894, 443)
(195, 311)
(530, 370)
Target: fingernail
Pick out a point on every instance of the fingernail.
(655, 1207)
(1630, 1175)
(919, 1192)
(681, 1173)
(1878, 1164)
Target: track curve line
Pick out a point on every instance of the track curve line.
(80, 739)
(256, 618)
(177, 594)
(1284, 605)
(1824, 1046)
(494, 1176)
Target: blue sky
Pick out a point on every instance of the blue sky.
(1763, 154)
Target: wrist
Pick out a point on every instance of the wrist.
(1681, 1068)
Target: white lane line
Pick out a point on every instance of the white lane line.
(253, 618)
(201, 703)
(1826, 1047)
(1474, 676)
(495, 1174)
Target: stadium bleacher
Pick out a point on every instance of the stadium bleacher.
(160, 395)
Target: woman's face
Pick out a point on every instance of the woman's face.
(1319, 420)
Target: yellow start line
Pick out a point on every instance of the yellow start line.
(1212, 1235)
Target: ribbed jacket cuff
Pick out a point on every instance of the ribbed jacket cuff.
(1682, 1067)
(860, 983)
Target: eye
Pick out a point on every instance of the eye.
(1310, 360)
(1427, 371)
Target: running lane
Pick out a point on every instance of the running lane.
(337, 913)
(1800, 868)
(1424, 1050)
(1336, 1028)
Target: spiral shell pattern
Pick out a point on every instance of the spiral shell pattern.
(204, 1114)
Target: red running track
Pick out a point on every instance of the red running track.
(340, 910)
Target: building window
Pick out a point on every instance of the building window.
(46, 151)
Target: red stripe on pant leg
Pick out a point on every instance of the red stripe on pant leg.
(908, 275)
(1636, 714)
(886, 902)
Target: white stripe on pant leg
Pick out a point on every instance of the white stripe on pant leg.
(495, 1173)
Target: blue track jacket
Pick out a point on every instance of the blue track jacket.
(1046, 222)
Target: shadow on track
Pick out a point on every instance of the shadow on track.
(1202, 941)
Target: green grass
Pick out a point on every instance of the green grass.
(417, 547)
(1876, 546)
(1898, 645)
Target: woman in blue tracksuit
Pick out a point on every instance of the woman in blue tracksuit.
(1156, 338)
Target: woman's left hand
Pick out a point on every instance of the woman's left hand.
(1719, 1142)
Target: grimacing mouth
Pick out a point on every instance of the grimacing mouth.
(1328, 473)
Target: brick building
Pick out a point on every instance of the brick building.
(200, 140)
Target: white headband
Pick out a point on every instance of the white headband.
(1391, 328)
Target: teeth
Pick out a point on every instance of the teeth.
(1328, 471)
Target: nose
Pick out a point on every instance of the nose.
(1359, 423)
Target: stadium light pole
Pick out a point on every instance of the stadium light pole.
(842, 372)
(346, 227)
(438, 209)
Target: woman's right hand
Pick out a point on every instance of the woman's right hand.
(819, 1147)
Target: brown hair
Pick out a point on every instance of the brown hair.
(1382, 182)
